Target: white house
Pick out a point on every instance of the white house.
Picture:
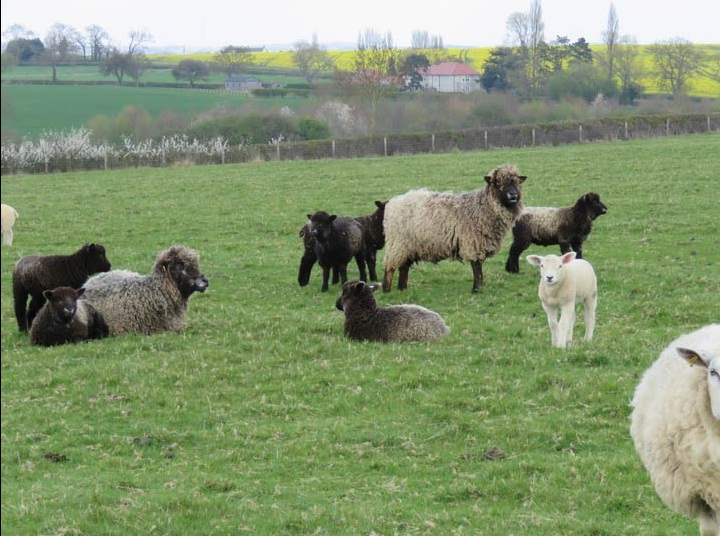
(242, 83)
(451, 77)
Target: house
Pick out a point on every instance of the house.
(451, 77)
(241, 82)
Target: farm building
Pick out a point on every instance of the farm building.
(451, 77)
(242, 83)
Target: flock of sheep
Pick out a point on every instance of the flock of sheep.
(675, 422)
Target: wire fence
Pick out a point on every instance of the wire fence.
(59, 155)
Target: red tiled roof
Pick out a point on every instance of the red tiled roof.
(451, 68)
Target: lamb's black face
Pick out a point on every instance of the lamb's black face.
(596, 206)
(63, 303)
(188, 277)
(322, 232)
(97, 260)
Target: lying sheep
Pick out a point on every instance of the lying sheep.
(337, 241)
(34, 274)
(567, 227)
(429, 226)
(675, 425)
(132, 303)
(9, 215)
(66, 319)
(564, 282)
(365, 321)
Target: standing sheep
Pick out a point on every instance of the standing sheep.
(66, 319)
(564, 282)
(337, 241)
(9, 215)
(365, 321)
(132, 303)
(546, 226)
(675, 425)
(34, 274)
(429, 226)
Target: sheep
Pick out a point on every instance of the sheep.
(133, 303)
(422, 225)
(564, 282)
(675, 426)
(337, 240)
(34, 274)
(9, 215)
(365, 321)
(373, 240)
(546, 226)
(65, 318)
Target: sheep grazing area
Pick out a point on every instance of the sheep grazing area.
(262, 418)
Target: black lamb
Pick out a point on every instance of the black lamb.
(66, 319)
(567, 227)
(337, 241)
(34, 274)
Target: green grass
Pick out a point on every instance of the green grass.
(261, 418)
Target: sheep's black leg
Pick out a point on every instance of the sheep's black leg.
(577, 248)
(36, 304)
(360, 259)
(513, 261)
(343, 272)
(335, 275)
(326, 277)
(371, 258)
(403, 278)
(21, 297)
(477, 275)
(564, 248)
(306, 264)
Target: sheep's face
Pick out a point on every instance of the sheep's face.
(551, 266)
(354, 290)
(594, 205)
(712, 364)
(62, 302)
(95, 258)
(321, 225)
(506, 183)
(183, 266)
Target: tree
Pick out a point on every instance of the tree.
(422, 40)
(498, 68)
(676, 61)
(311, 59)
(191, 70)
(25, 50)
(610, 36)
(60, 47)
(138, 40)
(527, 31)
(628, 70)
(234, 60)
(412, 67)
(98, 41)
(117, 64)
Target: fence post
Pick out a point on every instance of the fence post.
(580, 132)
(278, 151)
(105, 159)
(333, 148)
(667, 127)
(222, 156)
(533, 137)
(486, 142)
(708, 123)
(626, 130)
(433, 138)
(385, 145)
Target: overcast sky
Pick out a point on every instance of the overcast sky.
(481, 23)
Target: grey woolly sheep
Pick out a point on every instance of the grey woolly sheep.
(132, 303)
(365, 321)
(422, 225)
(9, 215)
(337, 241)
(34, 274)
(66, 319)
(567, 227)
(675, 425)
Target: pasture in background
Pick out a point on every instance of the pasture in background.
(261, 417)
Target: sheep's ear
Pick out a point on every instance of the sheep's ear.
(309, 216)
(359, 286)
(692, 357)
(488, 179)
(569, 256)
(522, 178)
(332, 218)
(48, 294)
(80, 291)
(535, 260)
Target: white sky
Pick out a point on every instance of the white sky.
(217, 23)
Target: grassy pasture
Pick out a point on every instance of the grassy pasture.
(261, 418)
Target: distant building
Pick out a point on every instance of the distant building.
(241, 82)
(451, 77)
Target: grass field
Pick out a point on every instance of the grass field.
(261, 418)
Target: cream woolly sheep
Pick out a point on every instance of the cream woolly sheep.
(545, 226)
(365, 321)
(34, 274)
(675, 425)
(132, 303)
(422, 225)
(9, 215)
(65, 318)
(564, 282)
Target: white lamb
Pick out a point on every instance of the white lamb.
(9, 215)
(564, 282)
(675, 424)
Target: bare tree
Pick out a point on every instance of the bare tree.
(233, 60)
(191, 70)
(527, 30)
(138, 40)
(311, 59)
(610, 36)
(628, 69)
(97, 39)
(422, 40)
(60, 47)
(117, 64)
(17, 31)
(676, 61)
